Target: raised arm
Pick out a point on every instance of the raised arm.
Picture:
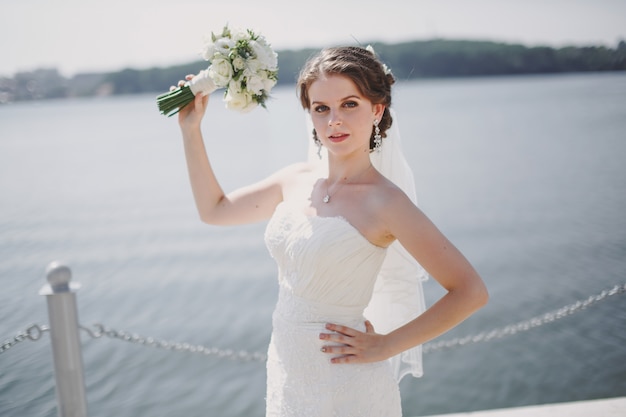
(245, 205)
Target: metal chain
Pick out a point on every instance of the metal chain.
(241, 355)
(35, 331)
(525, 325)
(32, 332)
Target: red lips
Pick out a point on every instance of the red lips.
(338, 137)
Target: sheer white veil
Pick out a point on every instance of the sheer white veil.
(398, 294)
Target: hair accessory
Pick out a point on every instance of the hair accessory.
(378, 140)
(370, 48)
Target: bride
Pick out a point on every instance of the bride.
(347, 326)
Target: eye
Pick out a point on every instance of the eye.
(350, 104)
(321, 108)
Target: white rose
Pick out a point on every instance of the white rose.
(223, 46)
(259, 81)
(255, 84)
(238, 63)
(265, 55)
(220, 46)
(239, 100)
(268, 82)
(237, 34)
(221, 71)
(208, 48)
(253, 65)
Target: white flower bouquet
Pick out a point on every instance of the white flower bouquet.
(241, 61)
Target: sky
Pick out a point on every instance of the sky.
(77, 36)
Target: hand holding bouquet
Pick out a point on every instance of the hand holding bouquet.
(241, 61)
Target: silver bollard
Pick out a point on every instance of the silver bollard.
(66, 346)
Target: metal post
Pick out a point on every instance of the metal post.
(66, 347)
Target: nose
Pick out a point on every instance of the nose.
(334, 119)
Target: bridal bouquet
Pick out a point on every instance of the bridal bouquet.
(241, 61)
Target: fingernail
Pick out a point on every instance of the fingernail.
(323, 349)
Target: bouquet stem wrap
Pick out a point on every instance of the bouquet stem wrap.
(170, 103)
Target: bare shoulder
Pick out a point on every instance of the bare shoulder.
(395, 209)
(387, 197)
(379, 209)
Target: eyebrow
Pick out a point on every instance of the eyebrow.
(343, 99)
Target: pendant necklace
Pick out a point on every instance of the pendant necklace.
(326, 198)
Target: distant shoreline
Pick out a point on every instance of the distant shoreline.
(436, 58)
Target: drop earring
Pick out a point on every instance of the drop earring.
(318, 143)
(378, 140)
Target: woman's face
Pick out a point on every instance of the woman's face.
(343, 118)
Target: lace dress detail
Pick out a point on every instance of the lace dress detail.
(327, 271)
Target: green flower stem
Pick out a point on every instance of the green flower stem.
(171, 102)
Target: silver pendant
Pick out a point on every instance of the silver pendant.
(326, 198)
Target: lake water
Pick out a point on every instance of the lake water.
(526, 175)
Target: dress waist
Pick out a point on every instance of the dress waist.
(302, 312)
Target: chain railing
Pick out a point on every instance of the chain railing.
(101, 330)
(34, 332)
(525, 325)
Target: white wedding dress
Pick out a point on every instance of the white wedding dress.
(327, 271)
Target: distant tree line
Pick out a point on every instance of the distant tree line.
(409, 60)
